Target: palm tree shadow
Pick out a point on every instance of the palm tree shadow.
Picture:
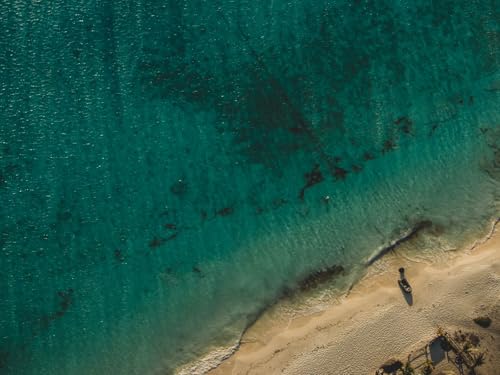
(458, 362)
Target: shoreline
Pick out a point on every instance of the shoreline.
(277, 344)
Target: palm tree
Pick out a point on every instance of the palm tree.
(467, 347)
(479, 360)
(428, 368)
(407, 369)
(440, 331)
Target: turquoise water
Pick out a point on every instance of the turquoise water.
(170, 168)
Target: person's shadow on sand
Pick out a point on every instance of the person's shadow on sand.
(408, 297)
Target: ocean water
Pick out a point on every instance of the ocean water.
(168, 169)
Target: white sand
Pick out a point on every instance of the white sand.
(375, 323)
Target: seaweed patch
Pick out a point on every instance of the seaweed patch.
(226, 211)
(357, 168)
(156, 242)
(278, 202)
(196, 270)
(434, 127)
(389, 145)
(159, 241)
(65, 300)
(312, 178)
(405, 124)
(368, 156)
(4, 358)
(340, 173)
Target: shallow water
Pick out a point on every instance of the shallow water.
(169, 168)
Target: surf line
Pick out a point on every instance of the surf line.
(410, 234)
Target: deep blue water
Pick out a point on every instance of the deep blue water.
(170, 168)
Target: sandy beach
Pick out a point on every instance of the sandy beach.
(376, 321)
